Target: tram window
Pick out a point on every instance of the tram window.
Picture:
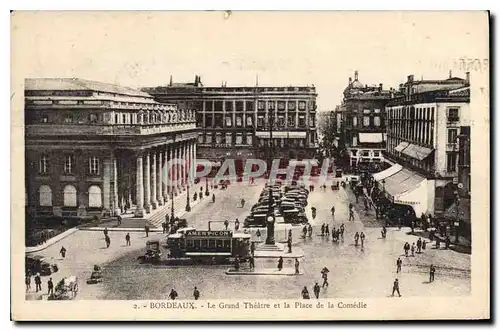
(189, 244)
(227, 244)
(218, 243)
(204, 243)
(211, 243)
(196, 244)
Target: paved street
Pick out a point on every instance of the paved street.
(354, 272)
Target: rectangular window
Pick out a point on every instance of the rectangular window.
(200, 139)
(260, 121)
(218, 138)
(68, 164)
(376, 153)
(354, 121)
(291, 105)
(44, 119)
(281, 121)
(229, 106)
(452, 136)
(451, 162)
(261, 105)
(311, 121)
(208, 138)
(291, 120)
(229, 121)
(312, 105)
(239, 139)
(302, 105)
(218, 106)
(209, 123)
(377, 111)
(43, 164)
(302, 121)
(229, 138)
(209, 106)
(376, 121)
(203, 244)
(239, 121)
(94, 165)
(366, 111)
(271, 105)
(366, 121)
(249, 106)
(366, 153)
(249, 121)
(218, 121)
(239, 105)
(281, 105)
(249, 140)
(453, 114)
(354, 141)
(93, 118)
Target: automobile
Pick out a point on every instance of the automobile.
(41, 265)
(153, 252)
(256, 220)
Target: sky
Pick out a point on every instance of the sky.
(282, 48)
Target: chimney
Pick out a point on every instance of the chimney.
(170, 84)
(380, 87)
(350, 80)
(450, 74)
(467, 77)
(356, 75)
(410, 79)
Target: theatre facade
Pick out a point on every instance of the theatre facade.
(100, 149)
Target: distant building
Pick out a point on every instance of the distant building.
(99, 149)
(363, 122)
(428, 130)
(234, 121)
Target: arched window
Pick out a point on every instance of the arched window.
(69, 196)
(95, 197)
(45, 196)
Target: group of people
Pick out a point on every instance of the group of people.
(421, 245)
(173, 294)
(316, 287)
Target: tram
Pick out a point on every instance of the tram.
(200, 246)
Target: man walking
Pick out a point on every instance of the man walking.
(38, 283)
(399, 263)
(310, 230)
(305, 293)
(50, 286)
(432, 271)
(395, 287)
(406, 248)
(108, 241)
(173, 294)
(419, 245)
(251, 262)
(316, 290)
(236, 225)
(351, 215)
(226, 224)
(324, 273)
(196, 293)
(297, 264)
(146, 229)
(63, 252)
(127, 239)
(413, 249)
(27, 281)
(362, 237)
(356, 238)
(342, 230)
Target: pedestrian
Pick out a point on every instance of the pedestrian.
(237, 263)
(226, 224)
(419, 245)
(406, 248)
(310, 230)
(289, 244)
(412, 225)
(333, 211)
(167, 219)
(213, 197)
(413, 249)
(27, 281)
(432, 271)
(258, 234)
(196, 293)
(334, 234)
(316, 290)
(251, 262)
(38, 283)
(447, 242)
(304, 231)
(324, 273)
(356, 238)
(146, 229)
(395, 287)
(297, 264)
(252, 248)
(362, 237)
(351, 215)
(280, 263)
(399, 263)
(290, 235)
(236, 225)
(305, 293)
(105, 231)
(424, 244)
(173, 294)
(323, 229)
(50, 286)
(63, 252)
(108, 241)
(327, 231)
(127, 239)
(342, 228)
(164, 226)
(119, 220)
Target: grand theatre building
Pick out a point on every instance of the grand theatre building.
(100, 149)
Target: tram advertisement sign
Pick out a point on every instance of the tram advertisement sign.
(209, 234)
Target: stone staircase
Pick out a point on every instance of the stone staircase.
(270, 248)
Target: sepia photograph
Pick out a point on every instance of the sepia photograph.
(240, 165)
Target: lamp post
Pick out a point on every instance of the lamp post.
(457, 216)
(270, 211)
(206, 187)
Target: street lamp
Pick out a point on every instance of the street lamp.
(188, 207)
(270, 211)
(457, 216)
(383, 185)
(206, 187)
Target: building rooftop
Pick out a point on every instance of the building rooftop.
(78, 84)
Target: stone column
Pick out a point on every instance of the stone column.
(189, 165)
(166, 174)
(154, 202)
(106, 185)
(147, 183)
(159, 178)
(177, 175)
(184, 165)
(194, 159)
(139, 191)
(116, 205)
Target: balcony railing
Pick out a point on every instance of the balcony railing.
(107, 130)
(83, 104)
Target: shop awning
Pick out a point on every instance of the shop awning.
(371, 138)
(280, 134)
(399, 148)
(417, 152)
(387, 172)
(408, 188)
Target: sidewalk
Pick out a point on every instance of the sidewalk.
(51, 241)
(369, 220)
